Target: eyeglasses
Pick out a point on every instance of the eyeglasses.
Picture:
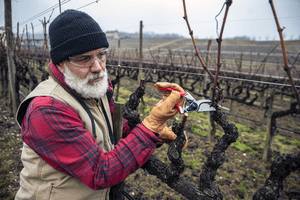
(86, 60)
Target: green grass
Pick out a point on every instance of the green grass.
(193, 163)
(254, 174)
(241, 146)
(147, 110)
(261, 175)
(248, 139)
(124, 91)
(186, 155)
(295, 142)
(242, 187)
(121, 100)
(199, 131)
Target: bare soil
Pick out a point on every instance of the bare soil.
(243, 171)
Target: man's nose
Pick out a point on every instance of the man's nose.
(96, 65)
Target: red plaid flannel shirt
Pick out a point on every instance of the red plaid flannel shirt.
(56, 133)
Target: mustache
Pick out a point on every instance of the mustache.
(96, 75)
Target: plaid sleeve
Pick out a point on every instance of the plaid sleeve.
(56, 133)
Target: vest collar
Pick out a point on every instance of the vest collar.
(60, 77)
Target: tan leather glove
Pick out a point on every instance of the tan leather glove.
(168, 136)
(163, 111)
(160, 86)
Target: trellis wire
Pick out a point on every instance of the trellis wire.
(226, 71)
(214, 51)
(156, 95)
(231, 78)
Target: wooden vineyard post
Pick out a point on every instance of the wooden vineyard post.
(232, 101)
(264, 96)
(35, 51)
(270, 136)
(207, 63)
(241, 62)
(174, 75)
(231, 106)
(28, 46)
(141, 58)
(141, 52)
(59, 7)
(204, 83)
(207, 52)
(118, 121)
(45, 48)
(119, 68)
(261, 96)
(9, 52)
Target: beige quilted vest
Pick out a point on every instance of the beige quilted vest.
(40, 181)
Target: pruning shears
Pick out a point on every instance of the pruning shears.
(194, 106)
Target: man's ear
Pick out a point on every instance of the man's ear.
(61, 67)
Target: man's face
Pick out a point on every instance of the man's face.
(90, 81)
(84, 71)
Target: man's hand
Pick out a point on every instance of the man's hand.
(163, 111)
(168, 136)
(160, 86)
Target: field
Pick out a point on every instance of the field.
(258, 48)
(258, 57)
(243, 171)
(238, 178)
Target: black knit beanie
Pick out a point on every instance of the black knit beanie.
(74, 32)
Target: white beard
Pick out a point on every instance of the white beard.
(82, 87)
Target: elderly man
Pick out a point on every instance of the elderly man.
(68, 150)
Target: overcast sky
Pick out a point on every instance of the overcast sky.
(252, 18)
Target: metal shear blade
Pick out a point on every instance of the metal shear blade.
(195, 106)
(204, 105)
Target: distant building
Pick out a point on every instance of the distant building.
(2, 35)
(112, 35)
(2, 30)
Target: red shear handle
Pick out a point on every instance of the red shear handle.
(179, 108)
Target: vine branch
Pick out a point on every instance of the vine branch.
(286, 67)
(194, 43)
(219, 40)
